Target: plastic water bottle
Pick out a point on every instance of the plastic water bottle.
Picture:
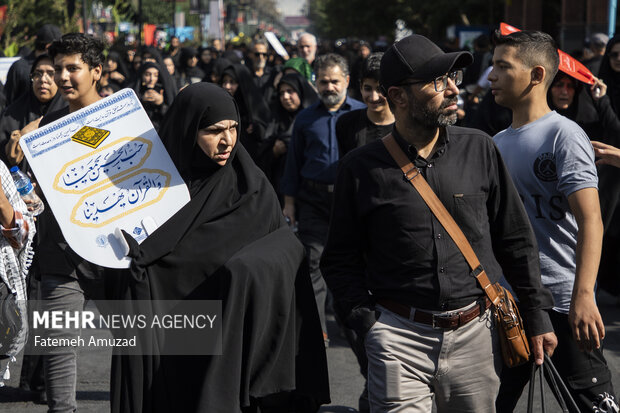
(26, 190)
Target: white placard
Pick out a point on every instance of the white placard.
(275, 43)
(5, 65)
(103, 168)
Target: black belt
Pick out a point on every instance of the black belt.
(449, 321)
(318, 186)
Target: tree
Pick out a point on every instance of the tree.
(361, 18)
(25, 17)
(157, 12)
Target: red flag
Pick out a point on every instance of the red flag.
(568, 64)
(505, 29)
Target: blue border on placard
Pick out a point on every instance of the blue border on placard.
(129, 93)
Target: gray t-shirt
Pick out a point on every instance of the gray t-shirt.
(548, 160)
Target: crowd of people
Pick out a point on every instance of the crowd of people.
(298, 207)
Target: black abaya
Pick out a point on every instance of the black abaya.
(155, 112)
(24, 110)
(255, 113)
(281, 128)
(229, 243)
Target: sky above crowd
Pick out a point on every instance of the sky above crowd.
(290, 7)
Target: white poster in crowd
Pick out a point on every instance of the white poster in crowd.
(103, 169)
(5, 65)
(275, 43)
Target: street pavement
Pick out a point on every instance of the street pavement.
(345, 380)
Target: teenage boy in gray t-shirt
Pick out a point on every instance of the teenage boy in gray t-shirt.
(551, 162)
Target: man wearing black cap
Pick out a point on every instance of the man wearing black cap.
(18, 78)
(388, 256)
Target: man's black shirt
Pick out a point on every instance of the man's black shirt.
(384, 239)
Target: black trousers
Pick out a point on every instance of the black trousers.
(313, 209)
(585, 374)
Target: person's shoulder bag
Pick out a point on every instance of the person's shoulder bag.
(514, 344)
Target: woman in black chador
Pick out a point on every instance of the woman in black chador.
(254, 111)
(229, 243)
(294, 95)
(154, 91)
(42, 98)
(189, 69)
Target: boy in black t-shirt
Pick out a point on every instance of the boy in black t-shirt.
(355, 129)
(358, 127)
(66, 279)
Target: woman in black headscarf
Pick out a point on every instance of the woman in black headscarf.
(220, 64)
(42, 98)
(206, 61)
(173, 72)
(254, 111)
(229, 243)
(569, 97)
(294, 94)
(151, 54)
(598, 119)
(154, 93)
(190, 72)
(115, 66)
(610, 72)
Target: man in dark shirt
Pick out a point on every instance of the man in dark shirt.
(65, 277)
(361, 126)
(311, 162)
(385, 246)
(355, 129)
(262, 74)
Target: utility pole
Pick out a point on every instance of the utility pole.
(84, 15)
(612, 17)
(139, 22)
(174, 17)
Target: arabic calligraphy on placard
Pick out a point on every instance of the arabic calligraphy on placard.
(121, 106)
(89, 171)
(121, 197)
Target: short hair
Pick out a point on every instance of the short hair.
(331, 60)
(310, 35)
(90, 49)
(260, 41)
(371, 67)
(534, 48)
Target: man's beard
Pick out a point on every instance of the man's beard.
(259, 64)
(433, 118)
(332, 99)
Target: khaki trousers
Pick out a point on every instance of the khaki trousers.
(409, 363)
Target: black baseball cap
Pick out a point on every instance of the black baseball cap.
(416, 57)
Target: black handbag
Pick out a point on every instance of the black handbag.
(555, 382)
(11, 322)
